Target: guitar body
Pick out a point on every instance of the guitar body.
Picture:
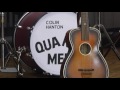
(84, 59)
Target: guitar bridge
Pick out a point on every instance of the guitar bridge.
(85, 70)
(86, 73)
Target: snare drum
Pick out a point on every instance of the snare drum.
(47, 41)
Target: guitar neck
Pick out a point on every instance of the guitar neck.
(85, 25)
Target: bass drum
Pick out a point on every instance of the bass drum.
(47, 42)
(22, 36)
(42, 34)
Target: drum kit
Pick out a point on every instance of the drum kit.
(39, 40)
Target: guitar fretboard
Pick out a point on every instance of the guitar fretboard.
(85, 26)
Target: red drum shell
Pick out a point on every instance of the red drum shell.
(22, 36)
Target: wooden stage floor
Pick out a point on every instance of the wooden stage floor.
(112, 60)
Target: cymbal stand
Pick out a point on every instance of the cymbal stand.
(3, 42)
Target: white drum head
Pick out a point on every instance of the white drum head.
(47, 40)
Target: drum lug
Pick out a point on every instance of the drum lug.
(18, 26)
(46, 73)
(22, 48)
(30, 28)
(29, 55)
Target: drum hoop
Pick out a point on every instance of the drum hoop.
(17, 25)
(14, 35)
(24, 15)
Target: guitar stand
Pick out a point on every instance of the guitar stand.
(111, 43)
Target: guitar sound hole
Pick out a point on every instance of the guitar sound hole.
(85, 48)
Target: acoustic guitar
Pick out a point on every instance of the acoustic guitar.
(84, 58)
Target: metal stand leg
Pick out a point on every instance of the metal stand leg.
(19, 65)
(3, 42)
(112, 44)
(4, 68)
